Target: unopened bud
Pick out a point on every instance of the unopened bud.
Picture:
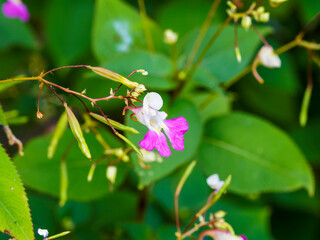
(246, 22)
(238, 54)
(143, 72)
(264, 17)
(220, 214)
(170, 37)
(112, 173)
(260, 10)
(39, 115)
(232, 6)
(268, 57)
(125, 158)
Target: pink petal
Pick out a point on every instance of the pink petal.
(176, 128)
(156, 140)
(13, 9)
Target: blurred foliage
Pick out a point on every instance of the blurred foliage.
(248, 130)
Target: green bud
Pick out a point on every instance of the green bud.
(57, 134)
(77, 132)
(276, 3)
(264, 17)
(115, 124)
(246, 22)
(111, 173)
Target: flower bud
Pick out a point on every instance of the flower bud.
(238, 54)
(220, 214)
(170, 37)
(246, 22)
(264, 17)
(232, 6)
(112, 173)
(268, 57)
(77, 132)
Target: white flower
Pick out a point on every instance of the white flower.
(214, 182)
(268, 57)
(43, 232)
(112, 173)
(170, 37)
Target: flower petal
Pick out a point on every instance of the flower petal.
(156, 140)
(153, 100)
(15, 9)
(175, 129)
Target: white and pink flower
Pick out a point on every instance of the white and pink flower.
(155, 120)
(15, 9)
(218, 234)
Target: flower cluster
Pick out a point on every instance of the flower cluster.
(155, 120)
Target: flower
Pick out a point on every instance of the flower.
(15, 9)
(218, 234)
(150, 116)
(43, 232)
(214, 182)
(268, 57)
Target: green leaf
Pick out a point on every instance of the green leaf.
(192, 139)
(221, 59)
(15, 218)
(118, 29)
(259, 156)
(3, 120)
(68, 27)
(42, 174)
(158, 66)
(13, 32)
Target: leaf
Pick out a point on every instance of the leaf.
(118, 29)
(68, 27)
(192, 139)
(158, 66)
(13, 32)
(15, 218)
(259, 156)
(3, 120)
(42, 174)
(221, 59)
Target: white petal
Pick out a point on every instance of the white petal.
(214, 182)
(268, 58)
(43, 232)
(153, 100)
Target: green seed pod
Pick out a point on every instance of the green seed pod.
(115, 124)
(113, 76)
(131, 144)
(77, 132)
(63, 182)
(57, 134)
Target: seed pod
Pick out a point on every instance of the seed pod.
(57, 134)
(113, 76)
(131, 144)
(77, 132)
(63, 182)
(115, 124)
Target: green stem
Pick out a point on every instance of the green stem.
(202, 33)
(146, 28)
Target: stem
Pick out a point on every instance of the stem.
(202, 33)
(146, 28)
(182, 181)
(260, 35)
(308, 26)
(64, 67)
(19, 79)
(286, 47)
(63, 102)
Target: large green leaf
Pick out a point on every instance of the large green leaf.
(192, 139)
(118, 29)
(221, 59)
(68, 27)
(157, 65)
(42, 174)
(13, 32)
(259, 156)
(15, 218)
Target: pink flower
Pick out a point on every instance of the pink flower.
(155, 120)
(15, 9)
(218, 234)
